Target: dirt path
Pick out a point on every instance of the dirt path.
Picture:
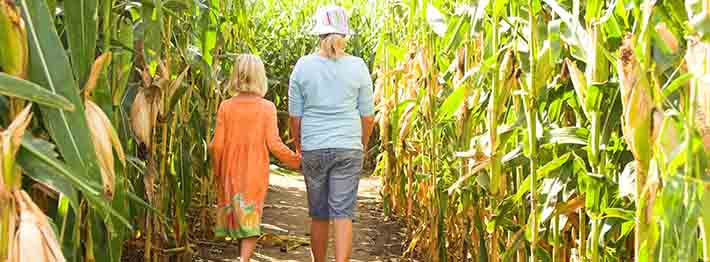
(285, 226)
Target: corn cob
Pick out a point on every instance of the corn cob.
(14, 57)
(103, 135)
(637, 125)
(697, 56)
(579, 82)
(507, 80)
(34, 240)
(637, 104)
(141, 117)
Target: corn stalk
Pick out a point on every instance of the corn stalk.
(530, 105)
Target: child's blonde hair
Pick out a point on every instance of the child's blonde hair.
(332, 46)
(249, 75)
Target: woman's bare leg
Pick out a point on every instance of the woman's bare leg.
(247, 247)
(343, 239)
(319, 239)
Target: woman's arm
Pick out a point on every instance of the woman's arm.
(366, 107)
(276, 145)
(217, 145)
(295, 108)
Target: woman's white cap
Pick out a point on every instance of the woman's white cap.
(331, 20)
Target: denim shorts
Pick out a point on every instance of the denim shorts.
(332, 178)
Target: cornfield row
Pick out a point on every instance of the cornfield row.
(547, 130)
(108, 107)
(536, 130)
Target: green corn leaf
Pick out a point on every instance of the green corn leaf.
(122, 61)
(676, 84)
(41, 171)
(625, 214)
(706, 220)
(436, 20)
(49, 67)
(566, 135)
(15, 87)
(209, 36)
(579, 34)
(37, 155)
(80, 18)
(455, 36)
(499, 7)
(452, 103)
(541, 173)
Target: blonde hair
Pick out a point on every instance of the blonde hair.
(332, 46)
(249, 75)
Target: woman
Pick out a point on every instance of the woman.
(245, 134)
(331, 118)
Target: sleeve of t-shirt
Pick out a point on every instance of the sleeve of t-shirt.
(365, 102)
(295, 93)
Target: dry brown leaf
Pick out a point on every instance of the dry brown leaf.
(13, 135)
(96, 69)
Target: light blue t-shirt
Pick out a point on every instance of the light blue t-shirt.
(330, 96)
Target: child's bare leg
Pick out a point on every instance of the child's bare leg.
(247, 247)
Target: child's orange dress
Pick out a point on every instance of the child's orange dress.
(246, 132)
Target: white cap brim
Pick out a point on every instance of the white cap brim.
(324, 30)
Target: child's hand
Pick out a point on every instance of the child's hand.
(299, 160)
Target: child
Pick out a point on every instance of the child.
(245, 134)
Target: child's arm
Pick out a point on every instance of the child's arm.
(276, 145)
(217, 143)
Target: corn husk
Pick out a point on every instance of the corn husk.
(10, 175)
(697, 59)
(144, 114)
(669, 40)
(379, 91)
(598, 68)
(149, 179)
(14, 55)
(175, 84)
(508, 77)
(105, 138)
(10, 144)
(579, 82)
(103, 135)
(12, 137)
(34, 240)
(96, 69)
(637, 104)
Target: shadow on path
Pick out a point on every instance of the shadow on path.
(286, 226)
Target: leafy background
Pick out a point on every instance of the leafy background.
(508, 130)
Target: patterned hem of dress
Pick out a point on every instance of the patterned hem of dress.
(239, 233)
